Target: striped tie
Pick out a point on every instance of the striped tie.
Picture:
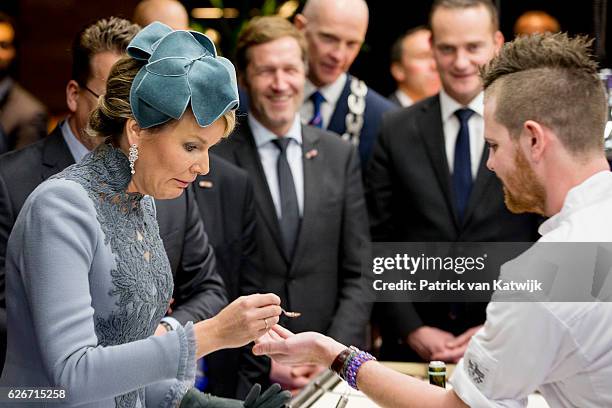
(317, 118)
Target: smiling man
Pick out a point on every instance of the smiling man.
(545, 112)
(427, 180)
(311, 216)
(333, 99)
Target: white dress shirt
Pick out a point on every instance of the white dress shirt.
(564, 349)
(77, 149)
(268, 154)
(451, 127)
(330, 92)
(403, 99)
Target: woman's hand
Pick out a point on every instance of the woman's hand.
(273, 397)
(287, 348)
(239, 323)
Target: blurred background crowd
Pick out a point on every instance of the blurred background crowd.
(46, 29)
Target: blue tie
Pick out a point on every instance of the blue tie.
(462, 172)
(317, 118)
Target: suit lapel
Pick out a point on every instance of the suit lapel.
(313, 174)
(337, 123)
(483, 178)
(247, 157)
(211, 207)
(432, 134)
(55, 156)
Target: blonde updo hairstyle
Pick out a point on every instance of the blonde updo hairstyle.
(108, 119)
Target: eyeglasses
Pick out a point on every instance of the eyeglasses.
(90, 91)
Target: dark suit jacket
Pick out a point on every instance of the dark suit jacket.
(198, 288)
(322, 281)
(409, 194)
(227, 205)
(376, 106)
(393, 98)
(23, 118)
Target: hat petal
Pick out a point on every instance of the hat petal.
(182, 67)
(156, 99)
(171, 66)
(213, 90)
(179, 44)
(205, 42)
(141, 46)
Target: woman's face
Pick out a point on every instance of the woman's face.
(169, 159)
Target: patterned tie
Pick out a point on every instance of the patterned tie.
(317, 118)
(462, 172)
(290, 213)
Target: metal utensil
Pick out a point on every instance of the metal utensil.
(291, 314)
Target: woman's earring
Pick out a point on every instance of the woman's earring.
(133, 156)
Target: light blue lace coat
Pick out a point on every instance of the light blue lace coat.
(88, 281)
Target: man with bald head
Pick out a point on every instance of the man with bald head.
(169, 12)
(333, 99)
(536, 22)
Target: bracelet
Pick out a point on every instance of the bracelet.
(167, 326)
(353, 354)
(354, 364)
(339, 361)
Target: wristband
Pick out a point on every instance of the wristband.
(354, 364)
(338, 365)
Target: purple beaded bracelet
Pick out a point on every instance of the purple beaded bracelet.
(355, 361)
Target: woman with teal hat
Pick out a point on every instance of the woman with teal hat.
(86, 272)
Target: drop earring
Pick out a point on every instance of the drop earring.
(133, 157)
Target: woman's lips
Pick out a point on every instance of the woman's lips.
(183, 184)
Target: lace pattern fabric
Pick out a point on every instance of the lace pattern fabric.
(141, 282)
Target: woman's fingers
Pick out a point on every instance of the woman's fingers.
(267, 312)
(264, 324)
(260, 300)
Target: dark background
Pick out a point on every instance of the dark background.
(46, 29)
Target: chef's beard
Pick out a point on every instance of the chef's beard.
(527, 194)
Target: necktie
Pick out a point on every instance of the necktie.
(290, 213)
(317, 118)
(462, 172)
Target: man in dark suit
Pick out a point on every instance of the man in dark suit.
(198, 289)
(227, 206)
(23, 118)
(427, 180)
(333, 99)
(311, 215)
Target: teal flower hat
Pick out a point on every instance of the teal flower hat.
(182, 69)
